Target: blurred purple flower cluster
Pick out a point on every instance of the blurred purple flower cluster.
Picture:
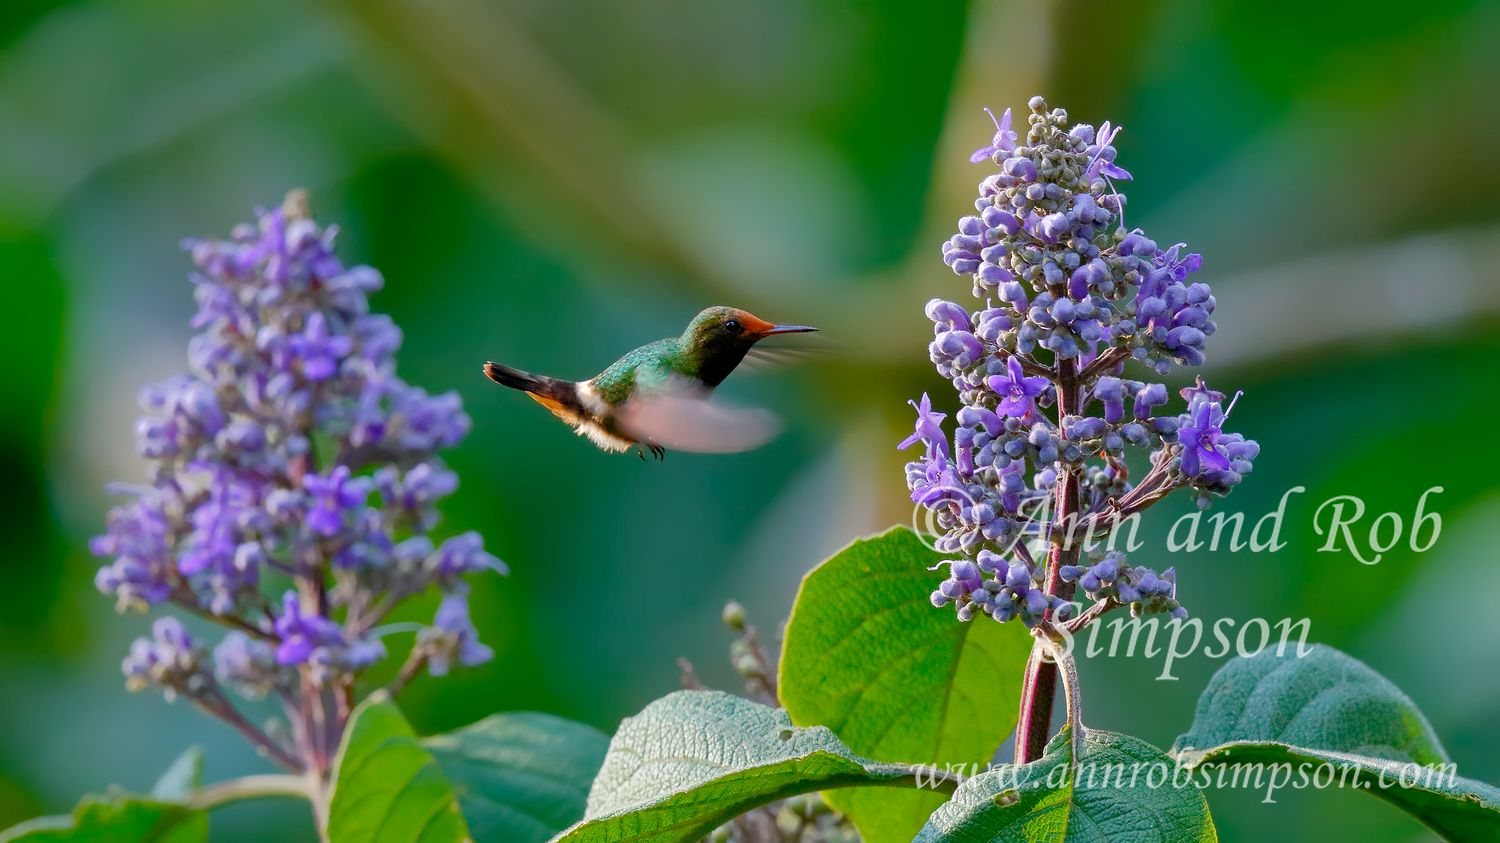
(1047, 412)
(293, 482)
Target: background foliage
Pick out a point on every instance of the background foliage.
(548, 194)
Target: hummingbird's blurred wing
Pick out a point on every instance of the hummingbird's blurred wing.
(764, 357)
(682, 417)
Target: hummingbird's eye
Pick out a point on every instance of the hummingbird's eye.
(733, 326)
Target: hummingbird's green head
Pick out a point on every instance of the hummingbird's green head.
(719, 338)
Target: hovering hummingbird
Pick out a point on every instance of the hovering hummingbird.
(656, 396)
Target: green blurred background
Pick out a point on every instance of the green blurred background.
(548, 184)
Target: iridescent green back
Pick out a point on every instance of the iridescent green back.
(649, 365)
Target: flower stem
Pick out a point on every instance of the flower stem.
(767, 678)
(217, 704)
(413, 665)
(249, 787)
(1039, 685)
(1077, 625)
(1108, 359)
(1067, 668)
(189, 601)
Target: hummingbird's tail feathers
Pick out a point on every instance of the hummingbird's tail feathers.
(514, 378)
(558, 396)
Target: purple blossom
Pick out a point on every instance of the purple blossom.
(1017, 391)
(1200, 440)
(248, 665)
(416, 492)
(1102, 155)
(138, 538)
(948, 316)
(1004, 140)
(333, 497)
(301, 633)
(425, 422)
(167, 659)
(1173, 318)
(1199, 391)
(462, 554)
(453, 638)
(318, 351)
(929, 429)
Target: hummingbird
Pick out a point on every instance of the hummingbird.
(656, 396)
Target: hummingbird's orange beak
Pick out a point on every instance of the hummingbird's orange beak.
(760, 328)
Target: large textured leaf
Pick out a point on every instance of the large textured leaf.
(867, 655)
(387, 786)
(1328, 708)
(1111, 795)
(1325, 699)
(115, 818)
(693, 760)
(520, 777)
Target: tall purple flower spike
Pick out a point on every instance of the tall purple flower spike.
(263, 464)
(1070, 297)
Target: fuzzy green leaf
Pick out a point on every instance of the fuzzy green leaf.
(387, 787)
(867, 655)
(520, 777)
(693, 760)
(1328, 708)
(1109, 797)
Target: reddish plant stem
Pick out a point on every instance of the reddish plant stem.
(767, 678)
(215, 703)
(1039, 686)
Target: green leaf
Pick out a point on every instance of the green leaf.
(123, 817)
(1328, 708)
(1111, 795)
(115, 818)
(1325, 699)
(387, 786)
(867, 655)
(520, 777)
(182, 777)
(693, 760)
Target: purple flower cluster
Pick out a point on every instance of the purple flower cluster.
(1048, 241)
(1140, 588)
(1213, 461)
(1071, 296)
(167, 659)
(291, 456)
(1012, 590)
